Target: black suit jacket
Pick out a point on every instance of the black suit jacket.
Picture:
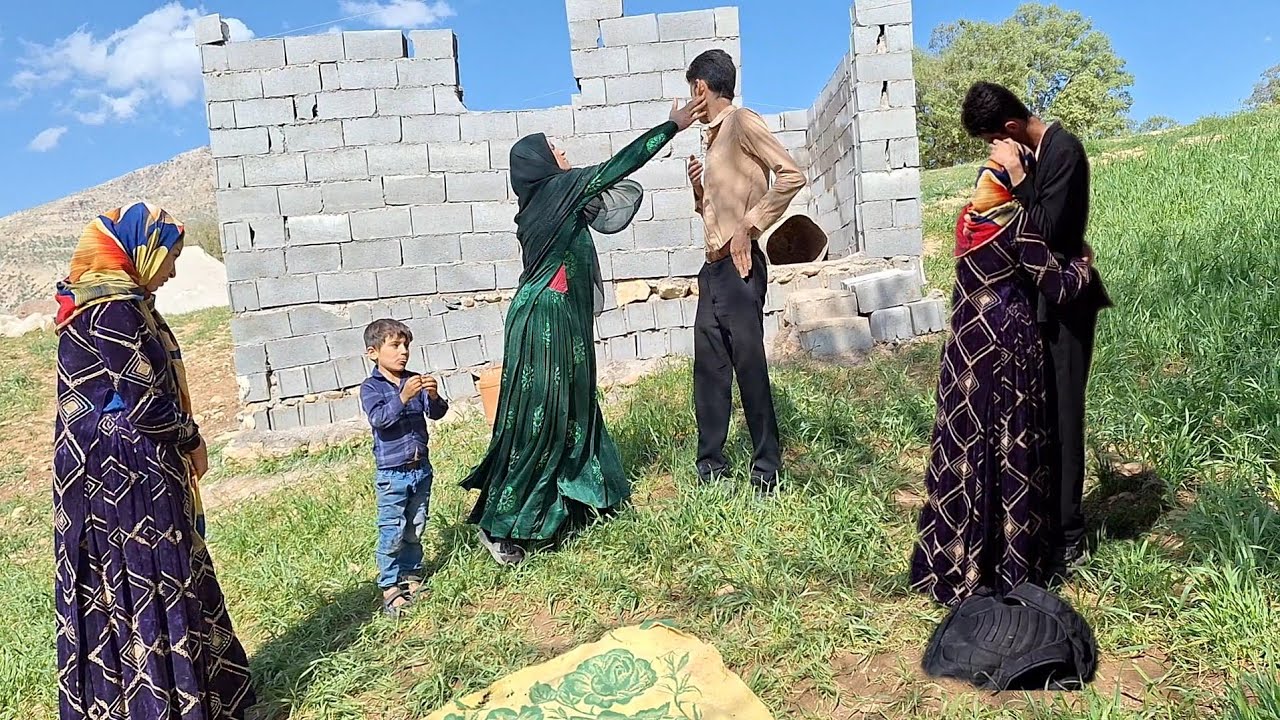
(1055, 194)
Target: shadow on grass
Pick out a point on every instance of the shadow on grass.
(282, 668)
(1125, 505)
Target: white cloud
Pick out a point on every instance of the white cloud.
(398, 14)
(47, 139)
(152, 61)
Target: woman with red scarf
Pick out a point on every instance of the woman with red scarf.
(983, 522)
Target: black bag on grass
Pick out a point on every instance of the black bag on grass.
(1029, 639)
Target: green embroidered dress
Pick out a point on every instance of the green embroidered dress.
(551, 459)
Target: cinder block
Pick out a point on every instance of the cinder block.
(243, 297)
(322, 377)
(601, 119)
(213, 58)
(370, 255)
(398, 159)
(284, 417)
(234, 143)
(633, 265)
(874, 156)
(689, 310)
(434, 43)
(346, 408)
(653, 344)
(304, 49)
(374, 45)
(370, 131)
(928, 316)
(681, 341)
(901, 184)
(593, 9)
(210, 29)
(804, 307)
(488, 125)
(490, 247)
(460, 386)
(622, 349)
(727, 22)
(554, 122)
(284, 82)
(494, 216)
(882, 12)
(902, 93)
(406, 281)
(349, 195)
(259, 328)
(266, 233)
(316, 414)
(245, 203)
(458, 157)
(347, 286)
(659, 234)
(349, 341)
(440, 357)
(687, 262)
(476, 186)
(586, 149)
(667, 314)
(508, 272)
(639, 87)
(645, 115)
(312, 259)
(500, 154)
(318, 229)
(675, 86)
(687, 25)
(629, 30)
(427, 72)
(431, 128)
(393, 222)
(906, 213)
(406, 101)
(413, 189)
(300, 200)
(448, 100)
(306, 107)
(341, 104)
(600, 62)
(232, 86)
(349, 164)
(254, 264)
(877, 214)
(611, 323)
(840, 336)
(443, 219)
(694, 48)
(624, 241)
(904, 153)
(367, 74)
(883, 289)
(255, 54)
(221, 115)
(465, 277)
(250, 359)
(290, 352)
(292, 382)
(584, 34)
(280, 169)
(352, 371)
(886, 124)
(639, 316)
(891, 324)
(590, 92)
(882, 67)
(657, 57)
(428, 330)
(469, 353)
(290, 290)
(329, 76)
(313, 136)
(893, 242)
(663, 174)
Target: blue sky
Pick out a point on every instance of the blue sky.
(92, 90)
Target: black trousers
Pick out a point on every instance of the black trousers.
(728, 339)
(1069, 342)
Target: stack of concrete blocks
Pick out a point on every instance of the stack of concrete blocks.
(883, 306)
(353, 184)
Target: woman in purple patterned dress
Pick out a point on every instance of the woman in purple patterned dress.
(142, 628)
(983, 522)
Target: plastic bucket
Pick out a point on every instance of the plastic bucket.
(489, 382)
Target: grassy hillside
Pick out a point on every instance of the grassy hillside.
(805, 594)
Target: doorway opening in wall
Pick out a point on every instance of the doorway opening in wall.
(794, 239)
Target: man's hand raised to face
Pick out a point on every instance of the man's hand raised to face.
(1008, 154)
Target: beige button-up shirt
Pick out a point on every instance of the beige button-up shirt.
(740, 154)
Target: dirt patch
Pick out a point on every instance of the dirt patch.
(1126, 154)
(1202, 139)
(232, 490)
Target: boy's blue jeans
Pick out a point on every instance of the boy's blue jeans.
(404, 495)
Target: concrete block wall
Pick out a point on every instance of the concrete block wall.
(354, 183)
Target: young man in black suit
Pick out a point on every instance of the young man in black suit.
(1050, 173)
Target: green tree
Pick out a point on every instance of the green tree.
(1062, 66)
(1267, 91)
(1156, 123)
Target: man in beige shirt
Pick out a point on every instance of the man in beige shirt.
(734, 198)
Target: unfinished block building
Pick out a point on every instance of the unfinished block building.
(354, 183)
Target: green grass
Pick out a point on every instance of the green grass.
(1185, 579)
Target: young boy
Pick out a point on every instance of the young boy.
(397, 402)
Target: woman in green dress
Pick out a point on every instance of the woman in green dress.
(551, 465)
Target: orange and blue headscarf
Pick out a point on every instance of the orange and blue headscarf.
(991, 209)
(118, 254)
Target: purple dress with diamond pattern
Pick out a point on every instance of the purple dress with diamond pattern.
(983, 523)
(142, 628)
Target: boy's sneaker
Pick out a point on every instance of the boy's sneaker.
(504, 552)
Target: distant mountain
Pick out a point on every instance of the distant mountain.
(40, 240)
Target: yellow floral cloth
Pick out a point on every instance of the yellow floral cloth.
(649, 672)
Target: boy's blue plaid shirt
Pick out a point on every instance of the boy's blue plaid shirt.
(399, 429)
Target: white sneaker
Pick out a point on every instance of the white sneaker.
(504, 552)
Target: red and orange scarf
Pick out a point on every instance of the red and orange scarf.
(991, 209)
